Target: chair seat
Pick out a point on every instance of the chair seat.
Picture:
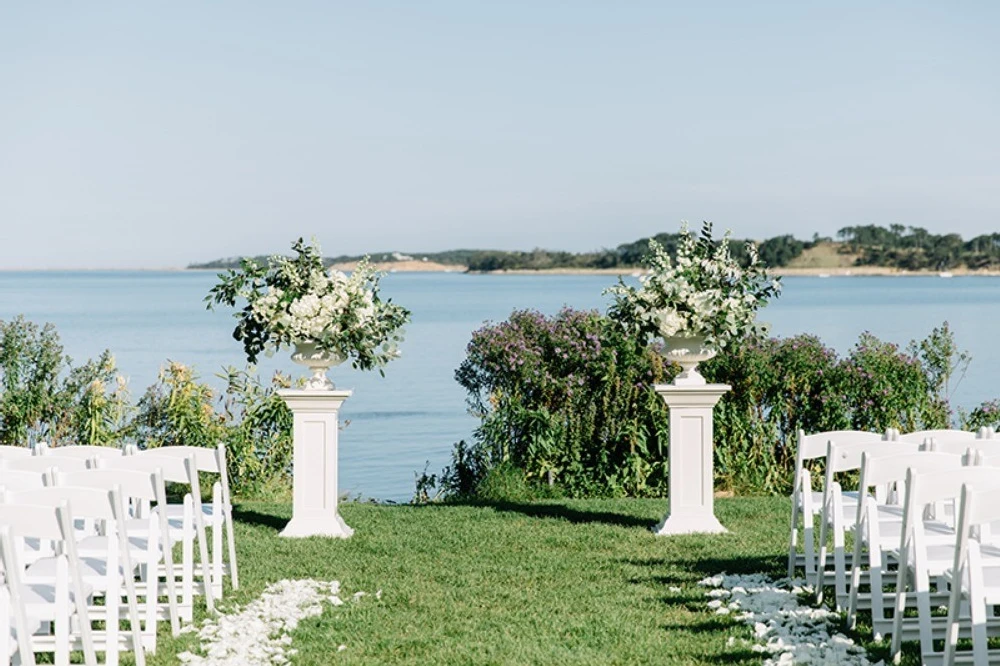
(935, 533)
(176, 512)
(34, 625)
(941, 557)
(849, 499)
(175, 528)
(98, 545)
(93, 571)
(887, 515)
(39, 600)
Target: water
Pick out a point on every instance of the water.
(416, 412)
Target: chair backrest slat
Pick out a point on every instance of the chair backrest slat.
(206, 459)
(943, 433)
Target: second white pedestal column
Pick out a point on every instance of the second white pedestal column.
(314, 464)
(692, 489)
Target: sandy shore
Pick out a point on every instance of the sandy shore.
(405, 267)
(853, 271)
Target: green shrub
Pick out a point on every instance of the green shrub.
(31, 359)
(568, 400)
(254, 423)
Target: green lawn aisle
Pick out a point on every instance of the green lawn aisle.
(560, 582)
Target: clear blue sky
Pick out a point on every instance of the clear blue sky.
(156, 134)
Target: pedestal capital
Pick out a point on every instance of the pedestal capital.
(314, 400)
(705, 395)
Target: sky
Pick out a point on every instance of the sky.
(154, 135)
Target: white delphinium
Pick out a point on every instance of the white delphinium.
(703, 291)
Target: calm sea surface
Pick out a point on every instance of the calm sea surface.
(414, 414)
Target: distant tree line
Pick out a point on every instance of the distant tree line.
(895, 246)
(914, 248)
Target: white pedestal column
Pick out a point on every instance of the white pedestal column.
(692, 496)
(314, 463)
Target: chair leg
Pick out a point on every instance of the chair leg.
(112, 624)
(793, 537)
(217, 569)
(808, 544)
(840, 569)
(234, 578)
(821, 559)
(187, 569)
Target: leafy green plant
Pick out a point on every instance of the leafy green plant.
(31, 358)
(566, 401)
(96, 406)
(258, 434)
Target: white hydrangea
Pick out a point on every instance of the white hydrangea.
(703, 291)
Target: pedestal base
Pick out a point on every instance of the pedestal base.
(692, 489)
(689, 524)
(324, 526)
(314, 463)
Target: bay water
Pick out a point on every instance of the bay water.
(411, 418)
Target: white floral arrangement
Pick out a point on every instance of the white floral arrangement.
(298, 300)
(704, 292)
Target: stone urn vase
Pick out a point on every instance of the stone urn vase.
(688, 351)
(319, 361)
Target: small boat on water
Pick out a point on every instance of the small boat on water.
(824, 275)
(945, 274)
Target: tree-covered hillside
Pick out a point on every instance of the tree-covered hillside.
(895, 246)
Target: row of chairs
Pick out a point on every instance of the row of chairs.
(82, 528)
(920, 519)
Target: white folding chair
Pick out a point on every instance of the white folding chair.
(922, 562)
(148, 540)
(109, 572)
(187, 529)
(972, 579)
(879, 527)
(807, 503)
(218, 513)
(838, 515)
(61, 601)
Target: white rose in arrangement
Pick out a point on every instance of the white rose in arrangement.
(703, 291)
(295, 300)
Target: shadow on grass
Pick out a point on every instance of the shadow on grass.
(258, 519)
(559, 511)
(769, 565)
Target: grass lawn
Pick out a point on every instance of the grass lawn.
(558, 582)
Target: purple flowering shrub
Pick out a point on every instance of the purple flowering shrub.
(565, 399)
(568, 400)
(986, 414)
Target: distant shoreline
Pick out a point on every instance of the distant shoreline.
(432, 267)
